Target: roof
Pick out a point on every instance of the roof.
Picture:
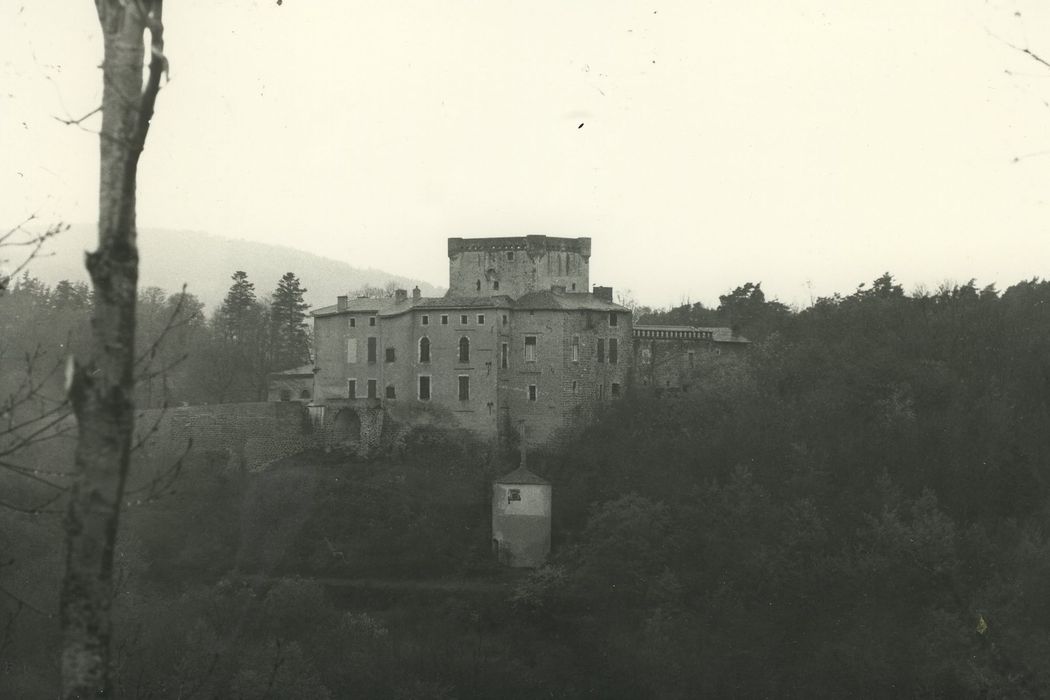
(521, 475)
(381, 306)
(500, 300)
(566, 301)
(714, 333)
(302, 371)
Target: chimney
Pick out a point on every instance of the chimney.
(400, 296)
(605, 293)
(415, 293)
(340, 303)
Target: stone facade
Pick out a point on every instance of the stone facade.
(525, 348)
(517, 342)
(667, 357)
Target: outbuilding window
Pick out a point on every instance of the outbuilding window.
(513, 495)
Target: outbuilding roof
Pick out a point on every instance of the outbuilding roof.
(521, 475)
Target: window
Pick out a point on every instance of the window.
(463, 319)
(692, 359)
(478, 285)
(425, 320)
(424, 387)
(615, 390)
(530, 348)
(391, 393)
(574, 286)
(372, 344)
(513, 495)
(613, 318)
(444, 319)
(351, 388)
(504, 356)
(351, 350)
(575, 387)
(372, 389)
(504, 319)
(601, 349)
(532, 392)
(390, 354)
(576, 348)
(601, 391)
(510, 255)
(286, 394)
(614, 351)
(304, 394)
(353, 322)
(495, 285)
(464, 349)
(481, 319)
(464, 387)
(424, 349)
(371, 320)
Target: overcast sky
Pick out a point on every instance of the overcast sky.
(807, 145)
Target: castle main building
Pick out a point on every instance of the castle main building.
(519, 337)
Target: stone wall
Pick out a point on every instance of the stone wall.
(251, 435)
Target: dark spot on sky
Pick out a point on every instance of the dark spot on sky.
(580, 126)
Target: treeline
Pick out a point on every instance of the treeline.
(186, 356)
(856, 507)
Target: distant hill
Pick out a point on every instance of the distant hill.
(205, 263)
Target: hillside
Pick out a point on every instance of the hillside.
(205, 262)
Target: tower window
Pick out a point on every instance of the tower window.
(424, 387)
(575, 386)
(478, 285)
(424, 349)
(371, 320)
(504, 356)
(371, 388)
(481, 319)
(464, 387)
(613, 318)
(390, 354)
(464, 349)
(601, 349)
(614, 351)
(575, 349)
(426, 320)
(532, 392)
(391, 392)
(504, 319)
(351, 388)
(353, 322)
(530, 348)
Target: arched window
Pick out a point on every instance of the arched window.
(304, 394)
(424, 349)
(464, 349)
(495, 284)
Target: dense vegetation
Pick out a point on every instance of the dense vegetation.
(857, 506)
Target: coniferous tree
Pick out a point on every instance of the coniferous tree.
(237, 314)
(290, 333)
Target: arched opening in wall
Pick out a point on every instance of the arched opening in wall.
(424, 349)
(495, 284)
(304, 394)
(346, 426)
(464, 349)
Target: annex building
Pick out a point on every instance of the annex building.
(519, 340)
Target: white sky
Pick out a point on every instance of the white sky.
(808, 145)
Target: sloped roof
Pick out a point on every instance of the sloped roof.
(521, 475)
(565, 301)
(303, 370)
(497, 301)
(383, 306)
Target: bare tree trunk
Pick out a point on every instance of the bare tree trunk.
(101, 389)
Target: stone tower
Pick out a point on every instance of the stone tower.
(517, 266)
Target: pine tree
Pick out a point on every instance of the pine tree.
(291, 337)
(237, 315)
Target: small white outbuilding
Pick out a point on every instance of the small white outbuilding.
(521, 518)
